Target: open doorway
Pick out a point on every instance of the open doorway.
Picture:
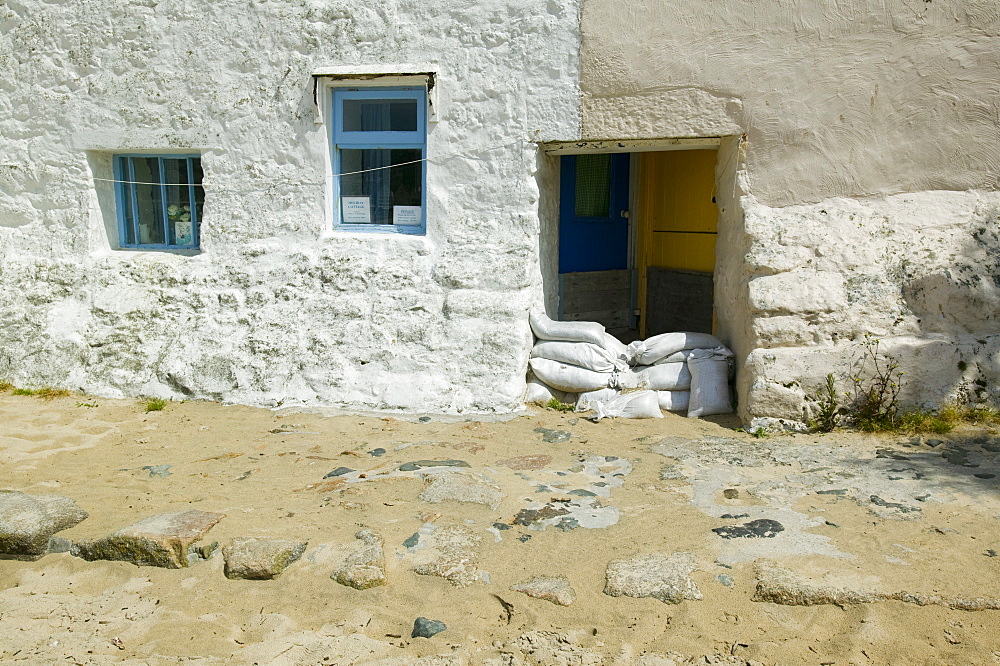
(637, 233)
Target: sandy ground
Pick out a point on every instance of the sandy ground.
(660, 486)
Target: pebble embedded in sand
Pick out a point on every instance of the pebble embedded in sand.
(164, 540)
(663, 577)
(259, 558)
(27, 522)
(762, 528)
(550, 588)
(424, 628)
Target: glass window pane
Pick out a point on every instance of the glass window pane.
(125, 191)
(199, 191)
(148, 200)
(593, 185)
(179, 218)
(387, 195)
(380, 115)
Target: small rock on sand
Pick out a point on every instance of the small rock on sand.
(364, 568)
(260, 559)
(424, 628)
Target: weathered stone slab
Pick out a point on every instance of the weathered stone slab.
(164, 540)
(259, 558)
(364, 567)
(529, 462)
(415, 465)
(459, 487)
(663, 577)
(779, 585)
(451, 554)
(550, 588)
(27, 522)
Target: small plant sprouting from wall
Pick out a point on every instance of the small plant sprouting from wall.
(828, 409)
(877, 382)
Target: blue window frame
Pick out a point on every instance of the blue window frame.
(379, 146)
(160, 200)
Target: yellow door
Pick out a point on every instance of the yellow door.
(677, 232)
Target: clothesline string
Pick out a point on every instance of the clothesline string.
(335, 175)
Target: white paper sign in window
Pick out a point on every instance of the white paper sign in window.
(357, 210)
(409, 216)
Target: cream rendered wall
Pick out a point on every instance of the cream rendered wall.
(864, 198)
(276, 308)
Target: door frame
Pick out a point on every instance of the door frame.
(633, 146)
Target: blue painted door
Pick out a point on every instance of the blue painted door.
(593, 217)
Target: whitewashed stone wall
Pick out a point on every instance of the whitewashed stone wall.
(275, 308)
(863, 196)
(920, 272)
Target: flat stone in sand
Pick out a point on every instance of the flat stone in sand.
(550, 588)
(459, 487)
(27, 522)
(260, 559)
(663, 577)
(164, 540)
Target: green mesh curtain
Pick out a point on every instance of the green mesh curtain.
(593, 185)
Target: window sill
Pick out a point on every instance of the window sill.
(359, 232)
(363, 230)
(150, 251)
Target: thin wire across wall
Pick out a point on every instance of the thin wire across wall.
(335, 175)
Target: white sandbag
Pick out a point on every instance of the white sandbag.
(583, 354)
(570, 331)
(618, 349)
(677, 357)
(635, 405)
(666, 377)
(709, 382)
(586, 401)
(566, 377)
(651, 350)
(674, 401)
(541, 394)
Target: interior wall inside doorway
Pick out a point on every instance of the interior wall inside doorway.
(676, 240)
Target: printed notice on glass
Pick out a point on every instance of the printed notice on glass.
(408, 216)
(356, 210)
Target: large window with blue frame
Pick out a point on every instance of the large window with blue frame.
(160, 200)
(379, 146)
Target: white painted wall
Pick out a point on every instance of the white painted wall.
(276, 308)
(864, 198)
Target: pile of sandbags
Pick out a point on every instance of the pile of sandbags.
(579, 362)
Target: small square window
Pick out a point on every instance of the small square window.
(160, 200)
(379, 147)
